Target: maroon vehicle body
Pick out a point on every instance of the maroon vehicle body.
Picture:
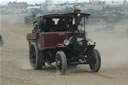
(48, 40)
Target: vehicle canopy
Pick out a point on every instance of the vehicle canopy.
(65, 15)
(68, 21)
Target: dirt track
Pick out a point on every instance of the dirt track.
(16, 70)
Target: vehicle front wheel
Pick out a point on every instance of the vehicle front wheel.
(95, 61)
(61, 62)
(35, 56)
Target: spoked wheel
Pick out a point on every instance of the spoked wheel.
(61, 62)
(35, 56)
(95, 61)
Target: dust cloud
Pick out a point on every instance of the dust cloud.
(16, 69)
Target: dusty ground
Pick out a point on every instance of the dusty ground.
(16, 70)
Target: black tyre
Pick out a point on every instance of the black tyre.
(95, 61)
(1, 43)
(61, 62)
(35, 56)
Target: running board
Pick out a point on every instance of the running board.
(79, 63)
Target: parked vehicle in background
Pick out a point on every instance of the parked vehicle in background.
(32, 16)
(1, 41)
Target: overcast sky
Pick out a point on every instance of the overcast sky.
(56, 1)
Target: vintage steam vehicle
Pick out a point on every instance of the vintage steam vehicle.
(63, 41)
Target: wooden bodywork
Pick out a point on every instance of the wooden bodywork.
(48, 40)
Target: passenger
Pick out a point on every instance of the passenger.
(49, 24)
(61, 25)
(43, 25)
(60, 22)
(53, 23)
(53, 27)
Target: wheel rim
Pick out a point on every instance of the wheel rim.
(32, 56)
(61, 62)
(94, 61)
(58, 63)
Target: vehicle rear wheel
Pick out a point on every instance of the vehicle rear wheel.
(95, 61)
(35, 56)
(61, 62)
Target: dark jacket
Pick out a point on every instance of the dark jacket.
(42, 27)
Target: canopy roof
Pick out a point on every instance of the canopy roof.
(64, 15)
